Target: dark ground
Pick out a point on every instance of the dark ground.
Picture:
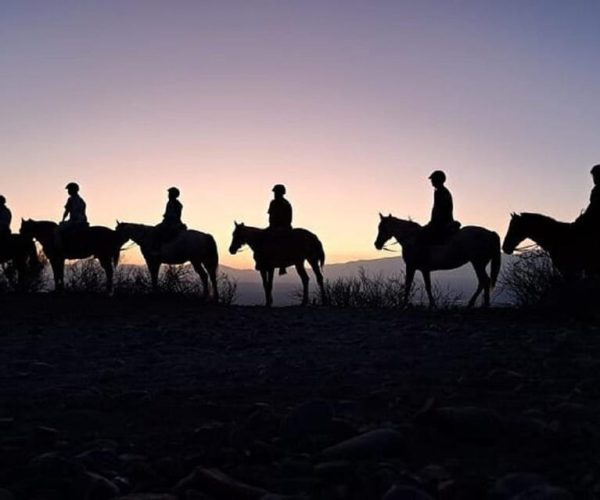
(102, 397)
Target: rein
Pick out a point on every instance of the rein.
(387, 249)
(526, 248)
(128, 247)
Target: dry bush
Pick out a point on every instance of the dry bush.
(530, 279)
(379, 291)
(36, 280)
(173, 279)
(444, 297)
(85, 276)
(132, 280)
(227, 289)
(364, 291)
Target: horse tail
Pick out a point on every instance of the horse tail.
(496, 260)
(212, 254)
(116, 256)
(35, 264)
(320, 253)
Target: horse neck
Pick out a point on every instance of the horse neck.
(44, 232)
(403, 229)
(543, 230)
(253, 235)
(140, 233)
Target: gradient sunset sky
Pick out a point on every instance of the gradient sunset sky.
(350, 104)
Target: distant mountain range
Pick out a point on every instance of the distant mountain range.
(460, 281)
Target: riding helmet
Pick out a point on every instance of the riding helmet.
(2, 200)
(595, 169)
(174, 191)
(438, 175)
(72, 185)
(279, 188)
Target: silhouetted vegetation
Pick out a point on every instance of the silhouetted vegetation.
(87, 276)
(530, 279)
(381, 291)
(35, 279)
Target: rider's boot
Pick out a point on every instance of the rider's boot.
(58, 241)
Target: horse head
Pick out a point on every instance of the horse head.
(28, 227)
(384, 231)
(238, 238)
(516, 233)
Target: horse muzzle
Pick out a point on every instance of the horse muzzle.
(508, 249)
(378, 245)
(233, 250)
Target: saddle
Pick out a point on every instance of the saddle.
(166, 233)
(435, 237)
(277, 242)
(72, 238)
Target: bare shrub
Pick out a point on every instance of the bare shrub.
(172, 280)
(530, 279)
(179, 279)
(85, 276)
(36, 279)
(364, 290)
(227, 289)
(444, 297)
(132, 280)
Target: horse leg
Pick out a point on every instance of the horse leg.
(319, 275)
(410, 276)
(203, 277)
(107, 265)
(58, 269)
(304, 277)
(153, 268)
(270, 274)
(212, 274)
(483, 284)
(427, 280)
(265, 281)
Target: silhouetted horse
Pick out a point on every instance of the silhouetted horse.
(568, 248)
(200, 249)
(473, 244)
(20, 250)
(95, 241)
(299, 246)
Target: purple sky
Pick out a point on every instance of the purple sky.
(350, 104)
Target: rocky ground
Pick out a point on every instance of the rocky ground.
(165, 398)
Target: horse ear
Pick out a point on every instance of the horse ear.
(380, 215)
(389, 215)
(235, 223)
(118, 222)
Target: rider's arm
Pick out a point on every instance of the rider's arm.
(67, 209)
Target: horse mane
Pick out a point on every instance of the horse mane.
(48, 223)
(252, 228)
(408, 221)
(539, 219)
(136, 224)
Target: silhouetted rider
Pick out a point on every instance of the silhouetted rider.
(590, 218)
(280, 210)
(442, 223)
(171, 224)
(74, 209)
(5, 220)
(74, 217)
(280, 219)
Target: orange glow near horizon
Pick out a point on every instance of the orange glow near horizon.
(351, 105)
